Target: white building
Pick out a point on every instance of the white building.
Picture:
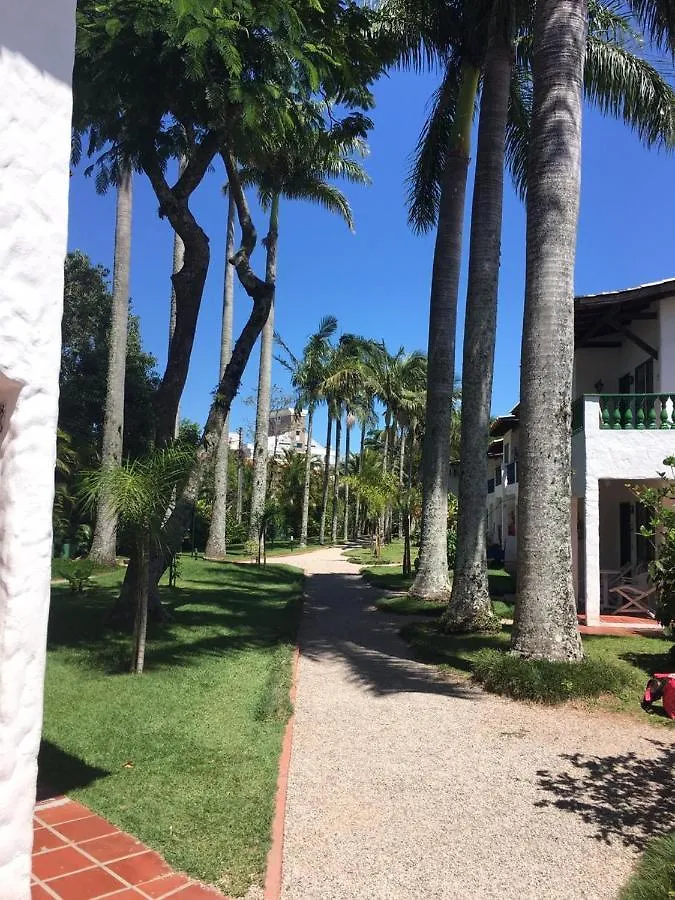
(623, 429)
(36, 59)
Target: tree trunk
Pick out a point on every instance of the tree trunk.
(357, 511)
(308, 478)
(431, 581)
(346, 519)
(262, 295)
(216, 545)
(401, 471)
(178, 259)
(326, 477)
(336, 479)
(545, 625)
(240, 477)
(470, 607)
(262, 418)
(141, 618)
(104, 543)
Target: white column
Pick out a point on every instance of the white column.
(575, 547)
(592, 550)
(36, 58)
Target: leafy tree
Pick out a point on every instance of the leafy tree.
(87, 313)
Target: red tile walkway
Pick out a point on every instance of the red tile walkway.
(80, 856)
(621, 626)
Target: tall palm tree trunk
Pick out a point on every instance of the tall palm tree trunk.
(470, 607)
(178, 259)
(401, 477)
(308, 478)
(545, 623)
(336, 478)
(216, 545)
(262, 420)
(104, 543)
(346, 518)
(326, 479)
(240, 477)
(357, 510)
(431, 580)
(141, 616)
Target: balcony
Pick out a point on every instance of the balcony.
(599, 452)
(624, 412)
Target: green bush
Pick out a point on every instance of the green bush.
(654, 878)
(77, 572)
(544, 681)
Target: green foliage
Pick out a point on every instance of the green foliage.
(77, 572)
(452, 532)
(202, 729)
(660, 503)
(654, 878)
(544, 681)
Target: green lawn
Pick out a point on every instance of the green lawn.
(623, 664)
(389, 553)
(185, 756)
(654, 878)
(277, 548)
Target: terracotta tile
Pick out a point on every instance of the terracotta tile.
(54, 815)
(59, 862)
(112, 846)
(37, 892)
(87, 885)
(85, 829)
(160, 887)
(44, 839)
(140, 868)
(126, 894)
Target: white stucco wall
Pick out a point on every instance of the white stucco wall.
(36, 57)
(666, 346)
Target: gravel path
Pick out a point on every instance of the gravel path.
(403, 785)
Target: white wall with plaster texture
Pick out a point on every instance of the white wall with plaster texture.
(36, 58)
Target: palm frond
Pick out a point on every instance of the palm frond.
(623, 85)
(518, 129)
(428, 161)
(657, 19)
(323, 194)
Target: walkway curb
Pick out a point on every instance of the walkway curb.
(275, 856)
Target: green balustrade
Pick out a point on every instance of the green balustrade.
(628, 412)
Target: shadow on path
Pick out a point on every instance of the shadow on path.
(340, 622)
(625, 797)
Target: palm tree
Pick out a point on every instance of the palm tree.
(216, 545)
(178, 259)
(298, 172)
(104, 544)
(138, 494)
(307, 376)
(620, 83)
(545, 623)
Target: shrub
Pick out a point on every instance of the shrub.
(544, 681)
(661, 532)
(77, 572)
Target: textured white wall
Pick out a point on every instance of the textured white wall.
(36, 57)
(667, 345)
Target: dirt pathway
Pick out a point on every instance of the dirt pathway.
(406, 786)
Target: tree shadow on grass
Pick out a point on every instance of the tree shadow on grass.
(60, 772)
(626, 798)
(342, 624)
(224, 609)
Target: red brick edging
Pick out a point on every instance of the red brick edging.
(275, 857)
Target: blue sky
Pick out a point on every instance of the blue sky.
(377, 281)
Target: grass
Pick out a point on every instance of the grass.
(389, 553)
(278, 548)
(185, 757)
(654, 878)
(614, 672)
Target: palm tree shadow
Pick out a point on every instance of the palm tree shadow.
(342, 624)
(626, 798)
